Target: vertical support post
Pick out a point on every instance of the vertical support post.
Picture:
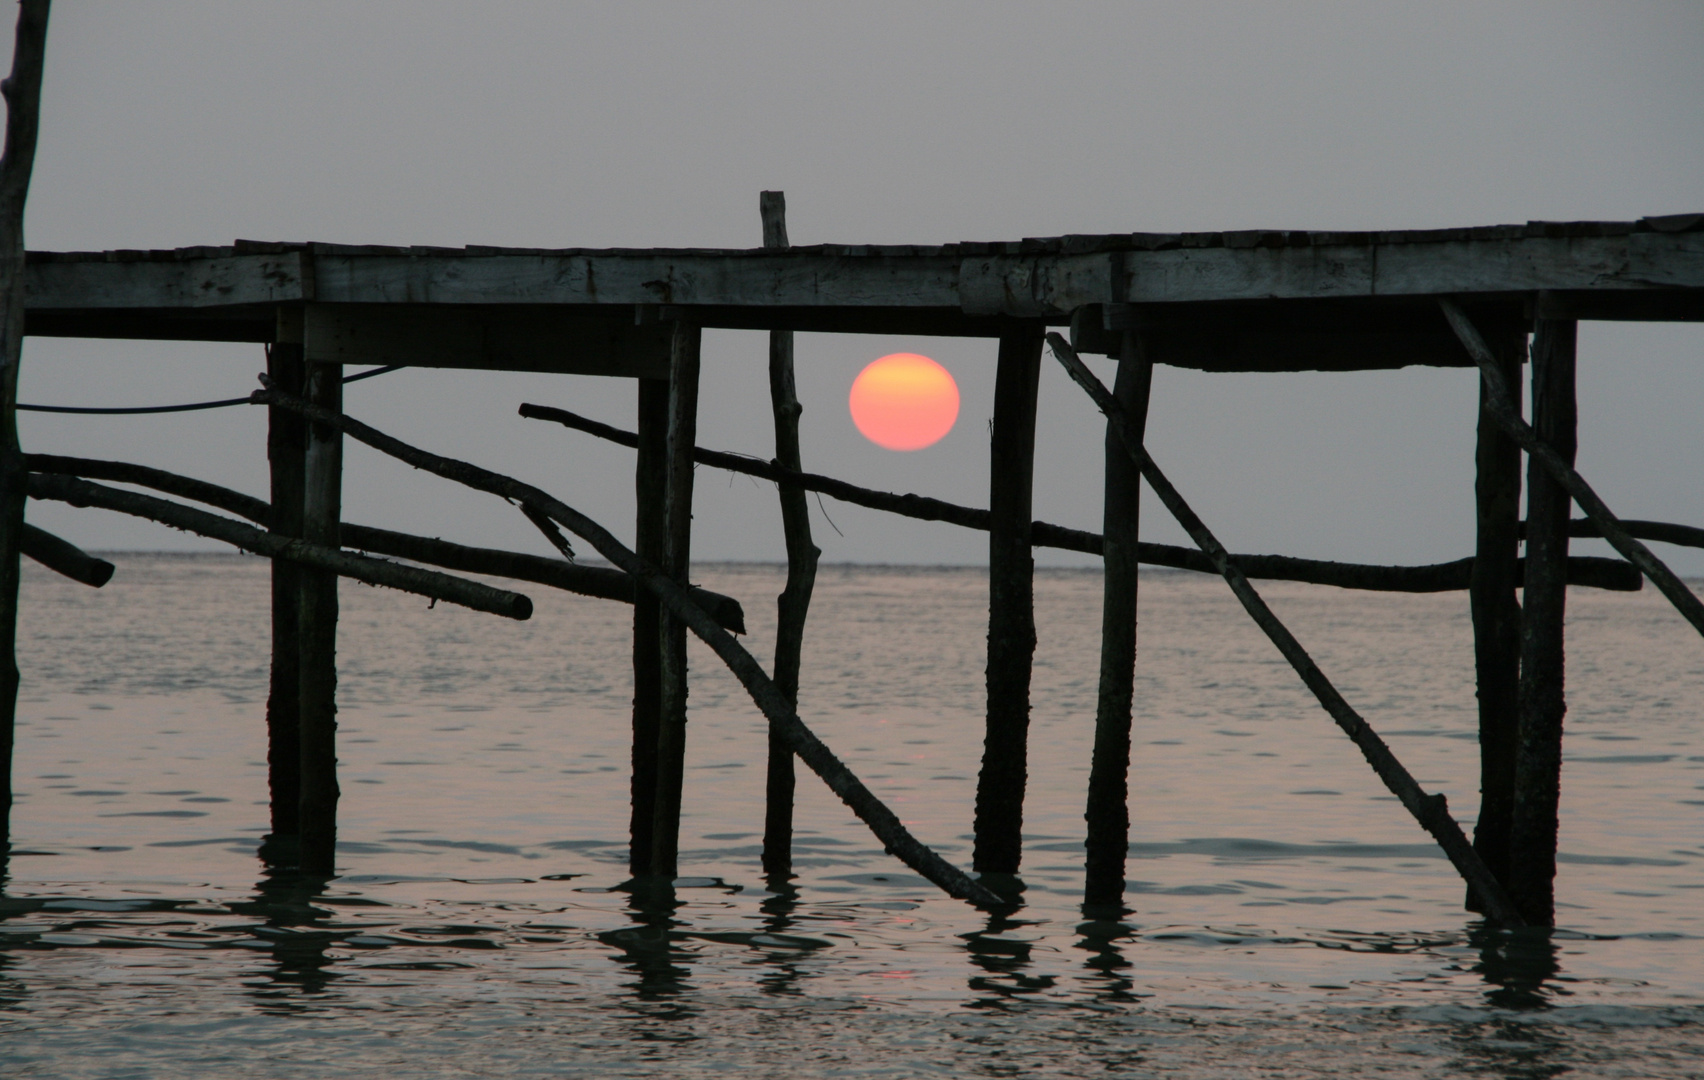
(322, 503)
(1011, 612)
(286, 450)
(1538, 757)
(650, 481)
(22, 91)
(795, 599)
(1108, 812)
(1496, 614)
(677, 553)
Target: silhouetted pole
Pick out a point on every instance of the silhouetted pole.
(22, 91)
(795, 600)
(676, 563)
(1108, 812)
(1011, 612)
(1431, 811)
(650, 481)
(286, 450)
(322, 503)
(1538, 759)
(1496, 613)
(1612, 528)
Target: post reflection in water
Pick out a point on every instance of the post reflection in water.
(11, 990)
(1003, 960)
(294, 930)
(648, 947)
(1099, 935)
(778, 908)
(1520, 966)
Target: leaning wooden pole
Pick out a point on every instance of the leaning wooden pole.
(322, 505)
(1011, 606)
(1684, 599)
(412, 579)
(795, 600)
(603, 582)
(650, 481)
(1496, 615)
(1438, 577)
(882, 821)
(286, 450)
(22, 91)
(1431, 811)
(677, 559)
(1538, 757)
(1108, 812)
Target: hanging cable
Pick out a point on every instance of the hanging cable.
(137, 409)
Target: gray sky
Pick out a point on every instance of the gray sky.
(555, 124)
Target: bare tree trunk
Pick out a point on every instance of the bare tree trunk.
(22, 91)
(322, 505)
(677, 561)
(1497, 619)
(1108, 812)
(795, 600)
(286, 450)
(1011, 607)
(64, 557)
(1538, 758)
(650, 482)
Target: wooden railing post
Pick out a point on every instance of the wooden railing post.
(1496, 615)
(322, 502)
(1538, 757)
(286, 450)
(1108, 812)
(676, 562)
(1011, 611)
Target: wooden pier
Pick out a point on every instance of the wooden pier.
(1505, 300)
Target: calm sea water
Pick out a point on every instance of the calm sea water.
(1286, 916)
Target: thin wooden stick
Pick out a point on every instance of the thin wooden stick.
(811, 750)
(1431, 811)
(1439, 577)
(1683, 598)
(412, 579)
(602, 582)
(64, 557)
(22, 91)
(802, 553)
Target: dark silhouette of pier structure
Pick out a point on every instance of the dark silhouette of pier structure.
(1505, 300)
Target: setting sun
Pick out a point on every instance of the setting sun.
(904, 402)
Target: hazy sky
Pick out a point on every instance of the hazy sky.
(555, 124)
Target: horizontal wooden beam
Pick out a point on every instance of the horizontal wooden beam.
(1033, 280)
(575, 341)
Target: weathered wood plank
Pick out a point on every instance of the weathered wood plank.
(197, 283)
(1049, 283)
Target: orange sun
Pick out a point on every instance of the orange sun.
(904, 402)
